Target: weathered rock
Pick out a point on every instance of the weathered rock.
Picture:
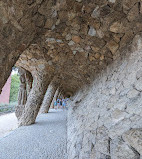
(128, 4)
(76, 39)
(96, 12)
(95, 49)
(49, 23)
(117, 27)
(119, 149)
(79, 0)
(111, 108)
(71, 43)
(133, 13)
(139, 74)
(134, 138)
(68, 37)
(113, 46)
(105, 10)
(40, 20)
(92, 31)
(91, 57)
(138, 84)
(117, 37)
(132, 93)
(97, 55)
(19, 109)
(112, 1)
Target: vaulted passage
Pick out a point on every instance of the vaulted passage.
(87, 50)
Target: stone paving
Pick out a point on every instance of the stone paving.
(46, 139)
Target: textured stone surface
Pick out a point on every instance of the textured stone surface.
(22, 94)
(119, 149)
(49, 95)
(104, 120)
(26, 81)
(67, 33)
(18, 29)
(29, 81)
(34, 101)
(86, 43)
(19, 110)
(134, 138)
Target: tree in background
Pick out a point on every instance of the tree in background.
(15, 82)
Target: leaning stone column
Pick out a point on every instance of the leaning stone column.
(55, 98)
(34, 100)
(22, 94)
(49, 96)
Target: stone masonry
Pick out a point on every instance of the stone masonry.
(105, 120)
(94, 47)
(49, 95)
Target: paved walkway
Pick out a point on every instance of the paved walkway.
(8, 122)
(46, 139)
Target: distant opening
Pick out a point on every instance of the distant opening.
(9, 94)
(15, 83)
(8, 101)
(68, 96)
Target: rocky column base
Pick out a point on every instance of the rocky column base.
(34, 101)
(19, 110)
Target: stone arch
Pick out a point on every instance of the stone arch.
(68, 94)
(80, 41)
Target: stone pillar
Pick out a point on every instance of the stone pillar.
(22, 95)
(29, 81)
(55, 98)
(34, 100)
(49, 96)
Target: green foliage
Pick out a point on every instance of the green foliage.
(15, 82)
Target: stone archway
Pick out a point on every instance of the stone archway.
(90, 46)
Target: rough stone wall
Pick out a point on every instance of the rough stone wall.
(105, 120)
(19, 25)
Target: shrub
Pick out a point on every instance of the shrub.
(15, 83)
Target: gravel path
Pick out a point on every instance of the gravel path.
(44, 140)
(8, 122)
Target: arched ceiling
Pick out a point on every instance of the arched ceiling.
(79, 38)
